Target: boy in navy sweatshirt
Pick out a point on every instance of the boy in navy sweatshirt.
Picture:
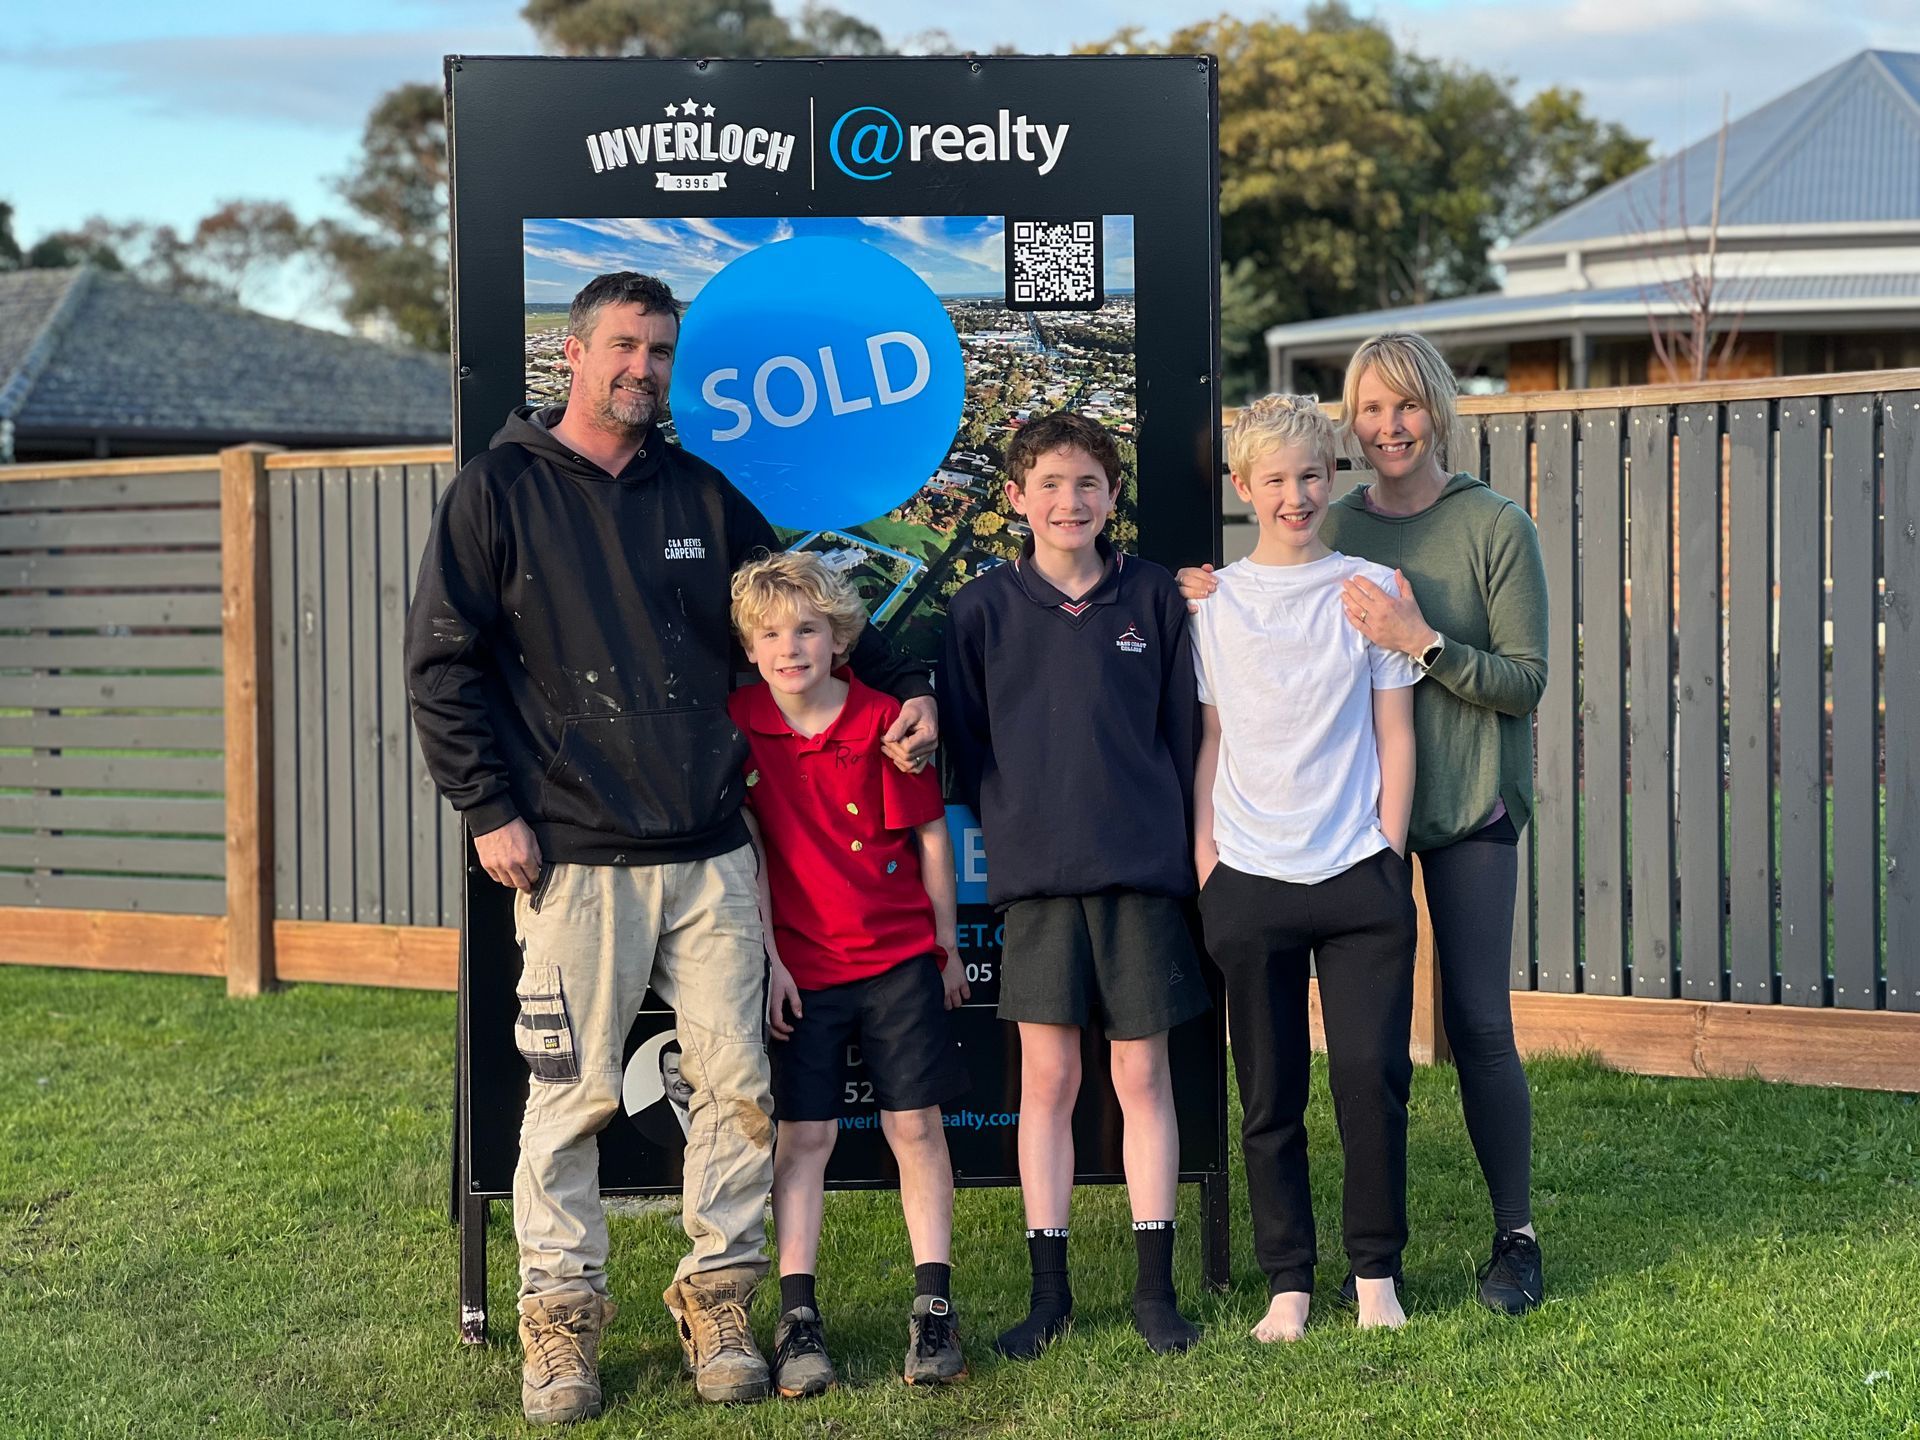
(1068, 705)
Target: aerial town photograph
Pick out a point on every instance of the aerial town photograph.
(1019, 363)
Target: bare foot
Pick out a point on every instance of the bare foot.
(1379, 1305)
(1286, 1318)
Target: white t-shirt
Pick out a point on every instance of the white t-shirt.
(1296, 795)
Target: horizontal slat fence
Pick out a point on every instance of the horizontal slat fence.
(1726, 784)
(111, 720)
(1722, 874)
(360, 833)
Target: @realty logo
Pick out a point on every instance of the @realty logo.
(866, 142)
(868, 150)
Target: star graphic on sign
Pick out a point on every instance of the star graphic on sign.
(687, 107)
(673, 109)
(707, 111)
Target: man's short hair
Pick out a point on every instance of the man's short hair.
(622, 287)
(1063, 429)
(777, 585)
(1276, 420)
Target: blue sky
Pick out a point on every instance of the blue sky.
(955, 255)
(162, 110)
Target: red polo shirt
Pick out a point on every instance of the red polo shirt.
(838, 818)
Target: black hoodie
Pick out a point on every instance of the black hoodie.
(569, 650)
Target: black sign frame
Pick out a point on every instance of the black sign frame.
(524, 143)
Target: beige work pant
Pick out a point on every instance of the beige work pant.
(602, 935)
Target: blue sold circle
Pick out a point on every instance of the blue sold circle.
(823, 377)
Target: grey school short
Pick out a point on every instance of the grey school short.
(1130, 957)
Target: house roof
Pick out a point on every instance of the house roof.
(1842, 149)
(87, 352)
(1776, 297)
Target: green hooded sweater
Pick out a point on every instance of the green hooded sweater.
(1473, 560)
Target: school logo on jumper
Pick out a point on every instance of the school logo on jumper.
(866, 143)
(690, 548)
(1133, 642)
(689, 135)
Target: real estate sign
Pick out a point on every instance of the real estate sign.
(889, 266)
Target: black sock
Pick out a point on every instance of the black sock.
(1156, 1312)
(796, 1291)
(1051, 1305)
(933, 1278)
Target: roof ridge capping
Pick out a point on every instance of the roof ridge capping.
(15, 388)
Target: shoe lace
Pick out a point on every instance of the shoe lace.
(1500, 1265)
(931, 1334)
(802, 1337)
(555, 1342)
(726, 1325)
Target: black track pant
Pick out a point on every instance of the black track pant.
(1470, 891)
(1359, 929)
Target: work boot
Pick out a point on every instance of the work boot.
(715, 1335)
(933, 1343)
(560, 1337)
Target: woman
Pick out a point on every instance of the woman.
(1472, 614)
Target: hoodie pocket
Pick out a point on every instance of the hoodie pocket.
(648, 775)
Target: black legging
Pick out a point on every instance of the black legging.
(1470, 891)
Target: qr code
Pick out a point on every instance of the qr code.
(1053, 264)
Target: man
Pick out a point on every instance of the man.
(569, 656)
(673, 1085)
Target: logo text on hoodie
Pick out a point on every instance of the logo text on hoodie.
(691, 547)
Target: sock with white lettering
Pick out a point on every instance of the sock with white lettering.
(1156, 1310)
(1051, 1305)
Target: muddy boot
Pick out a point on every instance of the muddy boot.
(714, 1334)
(560, 1338)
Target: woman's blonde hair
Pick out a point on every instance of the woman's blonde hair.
(1275, 420)
(1413, 370)
(777, 585)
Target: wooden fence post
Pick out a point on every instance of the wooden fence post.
(1429, 1030)
(246, 633)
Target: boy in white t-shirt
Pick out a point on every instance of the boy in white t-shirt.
(1301, 800)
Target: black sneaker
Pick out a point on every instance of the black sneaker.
(800, 1363)
(1510, 1281)
(1350, 1289)
(933, 1343)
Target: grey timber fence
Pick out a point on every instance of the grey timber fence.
(207, 767)
(360, 833)
(111, 774)
(1727, 757)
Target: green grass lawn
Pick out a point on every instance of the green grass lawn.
(228, 1218)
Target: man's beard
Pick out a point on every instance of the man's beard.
(629, 410)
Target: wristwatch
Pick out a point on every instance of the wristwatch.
(1428, 657)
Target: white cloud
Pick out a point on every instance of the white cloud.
(328, 80)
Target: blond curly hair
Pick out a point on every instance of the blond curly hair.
(1276, 420)
(773, 586)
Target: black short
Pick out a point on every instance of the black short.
(907, 1050)
(1131, 956)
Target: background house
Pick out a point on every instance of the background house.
(1817, 267)
(96, 364)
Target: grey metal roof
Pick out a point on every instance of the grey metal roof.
(88, 352)
(1844, 148)
(1754, 295)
